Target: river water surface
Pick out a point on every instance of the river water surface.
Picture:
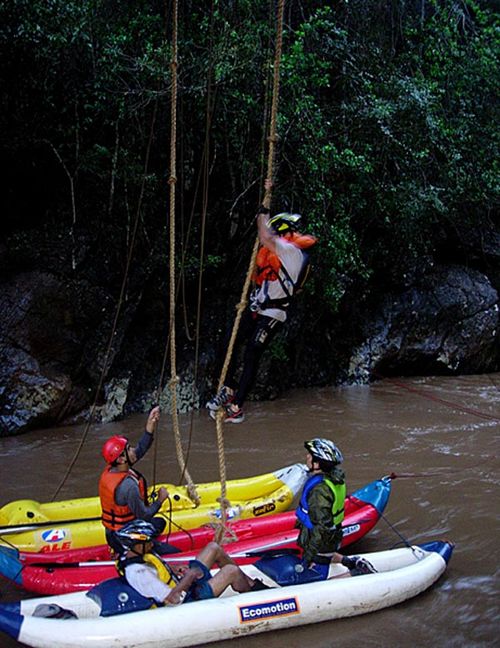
(440, 434)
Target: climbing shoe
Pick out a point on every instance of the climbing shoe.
(358, 566)
(223, 397)
(230, 415)
(233, 415)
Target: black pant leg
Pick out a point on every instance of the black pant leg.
(265, 329)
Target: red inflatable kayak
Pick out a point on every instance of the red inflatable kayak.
(80, 569)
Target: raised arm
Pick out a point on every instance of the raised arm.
(267, 236)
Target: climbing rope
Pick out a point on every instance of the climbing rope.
(222, 531)
(117, 312)
(174, 379)
(203, 175)
(203, 178)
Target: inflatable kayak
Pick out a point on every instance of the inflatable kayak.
(79, 569)
(33, 526)
(99, 618)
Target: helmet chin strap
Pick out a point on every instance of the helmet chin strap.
(130, 463)
(312, 469)
(143, 550)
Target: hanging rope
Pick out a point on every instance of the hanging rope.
(117, 312)
(174, 379)
(204, 175)
(243, 299)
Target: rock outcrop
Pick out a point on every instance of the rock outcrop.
(447, 322)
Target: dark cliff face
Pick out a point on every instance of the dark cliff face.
(59, 340)
(390, 159)
(69, 344)
(446, 323)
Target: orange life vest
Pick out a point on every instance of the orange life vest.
(268, 263)
(113, 515)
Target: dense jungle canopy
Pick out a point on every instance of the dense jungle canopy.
(388, 145)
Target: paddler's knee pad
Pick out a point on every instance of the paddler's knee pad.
(116, 596)
(287, 570)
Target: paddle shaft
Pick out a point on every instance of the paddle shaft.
(172, 558)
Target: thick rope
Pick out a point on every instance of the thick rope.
(243, 299)
(205, 172)
(174, 379)
(117, 312)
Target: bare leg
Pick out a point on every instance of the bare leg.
(213, 554)
(230, 575)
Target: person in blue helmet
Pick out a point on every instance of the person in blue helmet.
(160, 583)
(321, 511)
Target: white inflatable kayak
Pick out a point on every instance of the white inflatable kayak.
(402, 574)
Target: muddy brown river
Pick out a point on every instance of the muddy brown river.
(441, 435)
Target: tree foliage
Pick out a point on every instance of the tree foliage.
(387, 121)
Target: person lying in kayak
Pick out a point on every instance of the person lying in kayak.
(320, 514)
(122, 488)
(155, 579)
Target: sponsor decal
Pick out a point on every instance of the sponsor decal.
(352, 528)
(269, 610)
(230, 513)
(54, 535)
(268, 507)
(55, 547)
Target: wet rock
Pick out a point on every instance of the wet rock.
(115, 397)
(29, 394)
(446, 323)
(187, 395)
(46, 330)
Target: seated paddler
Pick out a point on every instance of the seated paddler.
(165, 584)
(320, 514)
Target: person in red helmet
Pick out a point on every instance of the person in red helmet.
(123, 489)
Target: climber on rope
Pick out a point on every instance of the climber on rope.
(281, 268)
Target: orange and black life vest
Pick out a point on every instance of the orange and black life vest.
(270, 268)
(115, 516)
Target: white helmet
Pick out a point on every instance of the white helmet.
(324, 450)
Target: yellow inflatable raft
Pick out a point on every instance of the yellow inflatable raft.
(71, 524)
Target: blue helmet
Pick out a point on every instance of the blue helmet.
(135, 532)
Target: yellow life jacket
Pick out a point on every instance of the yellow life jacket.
(165, 574)
(163, 571)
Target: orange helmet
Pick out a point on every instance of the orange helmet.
(113, 448)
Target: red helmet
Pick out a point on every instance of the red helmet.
(113, 448)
